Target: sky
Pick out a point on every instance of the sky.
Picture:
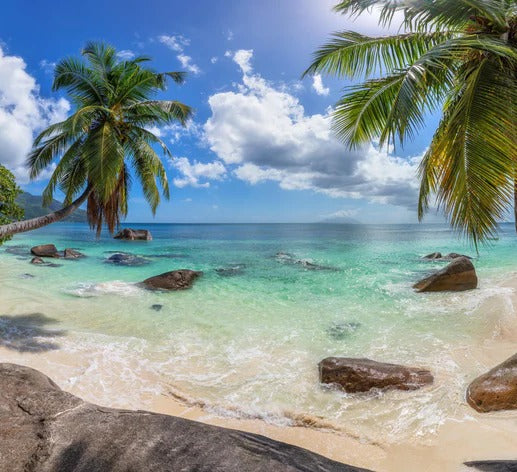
(259, 148)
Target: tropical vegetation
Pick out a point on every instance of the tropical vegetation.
(107, 140)
(456, 56)
(9, 209)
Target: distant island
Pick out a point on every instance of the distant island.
(33, 206)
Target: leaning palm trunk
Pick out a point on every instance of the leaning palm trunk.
(38, 222)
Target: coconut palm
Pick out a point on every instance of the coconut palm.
(106, 137)
(459, 56)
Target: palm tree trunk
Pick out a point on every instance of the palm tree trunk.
(38, 222)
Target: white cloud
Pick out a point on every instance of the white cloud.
(346, 213)
(126, 54)
(214, 59)
(178, 43)
(192, 173)
(262, 131)
(242, 58)
(186, 63)
(229, 35)
(47, 66)
(317, 85)
(23, 112)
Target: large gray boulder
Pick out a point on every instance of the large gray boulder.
(362, 375)
(174, 280)
(45, 429)
(495, 390)
(459, 275)
(129, 234)
(494, 466)
(45, 250)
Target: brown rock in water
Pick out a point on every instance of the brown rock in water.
(37, 260)
(455, 255)
(174, 280)
(433, 255)
(45, 429)
(495, 390)
(361, 375)
(129, 234)
(457, 276)
(45, 250)
(72, 254)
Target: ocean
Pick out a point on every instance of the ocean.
(274, 300)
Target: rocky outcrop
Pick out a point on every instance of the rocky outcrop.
(126, 259)
(45, 250)
(45, 429)
(438, 256)
(129, 234)
(37, 260)
(495, 390)
(459, 275)
(493, 466)
(72, 254)
(362, 375)
(174, 280)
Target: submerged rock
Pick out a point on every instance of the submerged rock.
(455, 255)
(156, 307)
(174, 280)
(230, 271)
(340, 331)
(459, 275)
(72, 254)
(45, 250)
(125, 259)
(19, 250)
(129, 234)
(286, 258)
(495, 390)
(361, 375)
(433, 255)
(27, 276)
(49, 430)
(37, 260)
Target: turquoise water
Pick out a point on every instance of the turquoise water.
(247, 339)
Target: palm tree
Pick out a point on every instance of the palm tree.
(457, 55)
(107, 135)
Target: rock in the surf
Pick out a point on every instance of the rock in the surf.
(129, 234)
(361, 375)
(156, 307)
(495, 390)
(493, 466)
(125, 259)
(45, 429)
(45, 250)
(459, 275)
(37, 260)
(455, 255)
(72, 254)
(174, 280)
(433, 256)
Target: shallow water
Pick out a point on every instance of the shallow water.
(274, 300)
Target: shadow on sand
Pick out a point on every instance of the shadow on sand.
(26, 333)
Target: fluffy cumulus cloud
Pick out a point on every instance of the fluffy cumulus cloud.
(23, 112)
(126, 54)
(178, 43)
(262, 132)
(197, 174)
(317, 85)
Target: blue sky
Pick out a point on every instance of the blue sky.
(259, 148)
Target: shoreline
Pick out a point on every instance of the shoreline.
(467, 437)
(464, 435)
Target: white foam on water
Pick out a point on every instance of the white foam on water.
(115, 287)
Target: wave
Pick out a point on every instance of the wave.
(115, 287)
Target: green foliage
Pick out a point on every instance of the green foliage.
(457, 55)
(107, 134)
(9, 210)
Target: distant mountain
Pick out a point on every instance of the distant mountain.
(32, 204)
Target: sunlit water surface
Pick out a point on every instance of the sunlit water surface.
(248, 339)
